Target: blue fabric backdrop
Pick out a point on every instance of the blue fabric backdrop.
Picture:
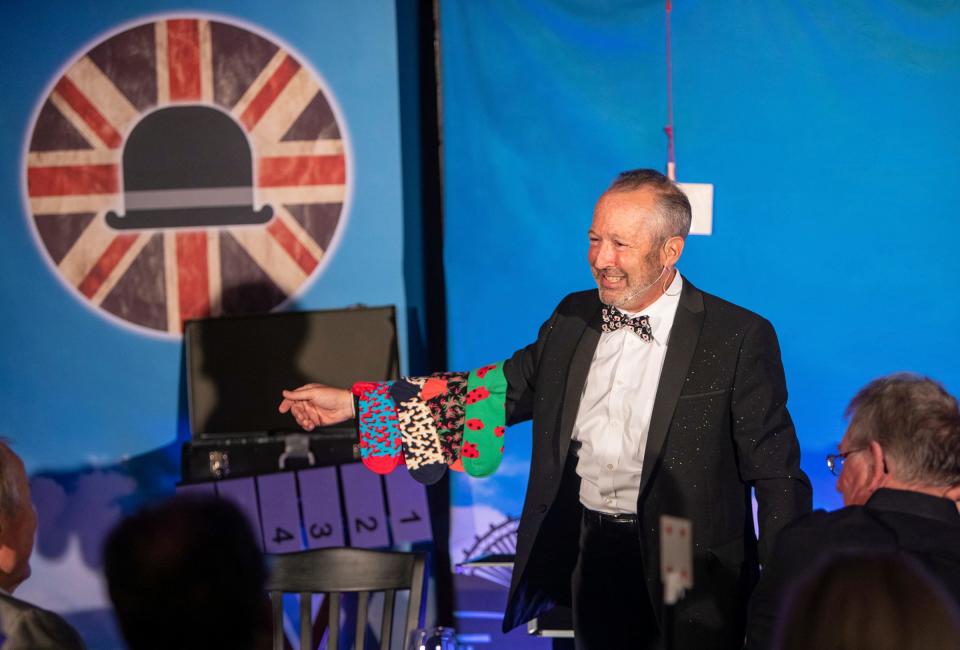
(828, 130)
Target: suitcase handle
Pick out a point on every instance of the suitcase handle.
(296, 446)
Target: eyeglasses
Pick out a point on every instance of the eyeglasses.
(835, 461)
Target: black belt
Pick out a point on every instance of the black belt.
(621, 520)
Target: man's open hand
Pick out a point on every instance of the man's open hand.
(315, 405)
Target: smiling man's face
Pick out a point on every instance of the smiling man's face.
(624, 252)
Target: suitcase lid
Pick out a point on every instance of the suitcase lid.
(237, 365)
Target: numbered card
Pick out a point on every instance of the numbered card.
(676, 557)
(366, 512)
(320, 497)
(409, 514)
(280, 513)
(242, 492)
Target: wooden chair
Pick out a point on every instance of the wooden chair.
(333, 571)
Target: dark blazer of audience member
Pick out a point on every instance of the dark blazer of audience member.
(188, 574)
(899, 473)
(869, 600)
(22, 625)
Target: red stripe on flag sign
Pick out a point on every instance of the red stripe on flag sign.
(72, 179)
(192, 275)
(269, 93)
(105, 265)
(88, 112)
(183, 54)
(280, 171)
(304, 259)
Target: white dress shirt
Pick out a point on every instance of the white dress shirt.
(614, 415)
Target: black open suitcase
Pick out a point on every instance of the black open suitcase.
(237, 366)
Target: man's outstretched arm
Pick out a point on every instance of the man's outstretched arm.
(314, 405)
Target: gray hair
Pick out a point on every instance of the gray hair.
(673, 206)
(10, 466)
(916, 421)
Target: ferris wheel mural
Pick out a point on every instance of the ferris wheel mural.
(186, 167)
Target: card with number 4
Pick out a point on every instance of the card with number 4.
(676, 557)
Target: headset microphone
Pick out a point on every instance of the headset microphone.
(639, 292)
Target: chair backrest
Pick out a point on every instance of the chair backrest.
(333, 571)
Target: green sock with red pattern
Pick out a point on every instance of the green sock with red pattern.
(484, 420)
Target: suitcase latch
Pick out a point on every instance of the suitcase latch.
(297, 447)
(219, 464)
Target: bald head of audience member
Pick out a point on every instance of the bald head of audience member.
(904, 434)
(187, 573)
(18, 521)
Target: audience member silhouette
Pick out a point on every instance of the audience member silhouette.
(880, 601)
(898, 469)
(188, 574)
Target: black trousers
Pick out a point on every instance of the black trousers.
(611, 606)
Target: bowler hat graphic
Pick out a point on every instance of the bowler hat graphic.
(187, 166)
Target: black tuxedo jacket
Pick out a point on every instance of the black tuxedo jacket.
(719, 427)
(922, 526)
(27, 627)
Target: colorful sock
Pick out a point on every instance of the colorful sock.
(484, 420)
(447, 410)
(432, 387)
(380, 449)
(421, 444)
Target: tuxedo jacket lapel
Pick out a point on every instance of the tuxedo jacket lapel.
(680, 349)
(577, 377)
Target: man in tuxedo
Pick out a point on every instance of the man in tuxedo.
(648, 397)
(899, 473)
(23, 626)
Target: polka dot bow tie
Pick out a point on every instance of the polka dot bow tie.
(614, 319)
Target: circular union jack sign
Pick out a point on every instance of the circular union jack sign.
(185, 168)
